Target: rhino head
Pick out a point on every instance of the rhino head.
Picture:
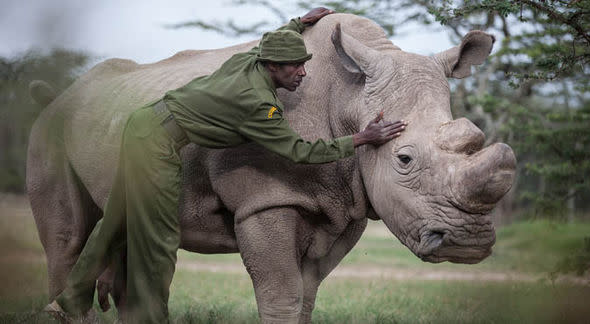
(434, 186)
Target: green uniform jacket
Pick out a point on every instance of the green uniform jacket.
(238, 103)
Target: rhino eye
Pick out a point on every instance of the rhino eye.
(404, 158)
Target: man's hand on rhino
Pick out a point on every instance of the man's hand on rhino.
(377, 132)
(315, 14)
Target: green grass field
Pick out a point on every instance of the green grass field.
(511, 286)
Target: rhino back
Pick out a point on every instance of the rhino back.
(98, 104)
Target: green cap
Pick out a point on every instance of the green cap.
(283, 46)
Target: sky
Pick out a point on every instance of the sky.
(135, 29)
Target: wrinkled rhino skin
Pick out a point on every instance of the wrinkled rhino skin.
(292, 224)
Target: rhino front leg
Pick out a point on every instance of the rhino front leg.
(315, 270)
(268, 246)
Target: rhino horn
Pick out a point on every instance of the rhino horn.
(354, 55)
(460, 136)
(474, 49)
(484, 178)
(485, 175)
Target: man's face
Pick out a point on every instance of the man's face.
(288, 76)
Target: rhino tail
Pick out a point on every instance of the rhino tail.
(42, 92)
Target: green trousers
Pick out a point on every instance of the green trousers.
(140, 216)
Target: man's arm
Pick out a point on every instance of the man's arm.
(314, 15)
(298, 24)
(268, 128)
(295, 25)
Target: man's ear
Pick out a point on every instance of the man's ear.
(273, 67)
(474, 49)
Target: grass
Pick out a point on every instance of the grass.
(207, 297)
(221, 298)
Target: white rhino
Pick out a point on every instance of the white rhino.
(292, 224)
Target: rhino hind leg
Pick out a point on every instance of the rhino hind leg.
(64, 212)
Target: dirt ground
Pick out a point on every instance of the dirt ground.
(392, 273)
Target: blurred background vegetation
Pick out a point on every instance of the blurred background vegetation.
(18, 110)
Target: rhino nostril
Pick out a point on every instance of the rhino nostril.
(429, 241)
(437, 233)
(436, 237)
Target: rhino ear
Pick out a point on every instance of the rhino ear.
(474, 49)
(354, 55)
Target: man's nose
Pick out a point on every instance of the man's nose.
(302, 71)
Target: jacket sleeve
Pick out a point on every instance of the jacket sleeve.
(267, 127)
(295, 25)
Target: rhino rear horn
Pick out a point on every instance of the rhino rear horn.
(460, 136)
(354, 55)
(474, 49)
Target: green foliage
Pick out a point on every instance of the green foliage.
(18, 110)
(445, 11)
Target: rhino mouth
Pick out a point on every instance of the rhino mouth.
(461, 244)
(443, 232)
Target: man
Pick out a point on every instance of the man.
(236, 104)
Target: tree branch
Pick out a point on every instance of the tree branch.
(559, 17)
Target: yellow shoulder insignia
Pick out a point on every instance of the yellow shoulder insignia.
(271, 111)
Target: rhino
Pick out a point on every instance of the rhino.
(433, 187)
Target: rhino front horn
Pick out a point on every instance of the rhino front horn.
(485, 178)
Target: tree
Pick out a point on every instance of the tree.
(18, 111)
